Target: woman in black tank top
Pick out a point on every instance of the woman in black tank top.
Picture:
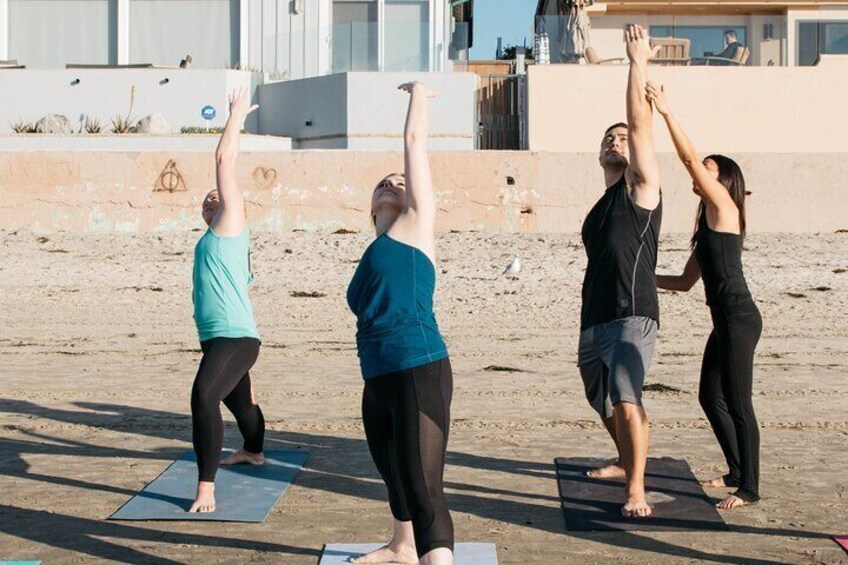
(727, 367)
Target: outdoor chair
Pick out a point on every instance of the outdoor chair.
(673, 51)
(133, 66)
(740, 60)
(593, 59)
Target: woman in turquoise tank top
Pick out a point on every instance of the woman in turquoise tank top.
(224, 319)
(408, 380)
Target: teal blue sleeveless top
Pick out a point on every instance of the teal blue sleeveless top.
(391, 294)
(220, 281)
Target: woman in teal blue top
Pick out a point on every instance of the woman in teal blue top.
(224, 319)
(408, 380)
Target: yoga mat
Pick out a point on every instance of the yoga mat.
(842, 541)
(678, 501)
(464, 553)
(243, 493)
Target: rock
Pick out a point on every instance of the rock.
(54, 123)
(154, 124)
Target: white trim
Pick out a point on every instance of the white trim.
(381, 35)
(123, 32)
(794, 17)
(244, 34)
(325, 36)
(4, 29)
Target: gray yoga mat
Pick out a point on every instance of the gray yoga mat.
(243, 493)
(464, 553)
(678, 501)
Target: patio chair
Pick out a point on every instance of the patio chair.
(132, 66)
(740, 60)
(10, 64)
(593, 59)
(673, 51)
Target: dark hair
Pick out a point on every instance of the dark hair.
(730, 176)
(618, 125)
(732, 33)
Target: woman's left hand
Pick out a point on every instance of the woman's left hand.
(656, 94)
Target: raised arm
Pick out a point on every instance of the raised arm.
(684, 282)
(230, 219)
(643, 173)
(419, 184)
(708, 187)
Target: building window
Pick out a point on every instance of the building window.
(365, 41)
(355, 36)
(163, 32)
(49, 34)
(821, 38)
(706, 41)
(407, 38)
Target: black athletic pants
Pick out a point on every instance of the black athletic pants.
(407, 419)
(725, 392)
(223, 376)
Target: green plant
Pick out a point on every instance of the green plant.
(21, 126)
(92, 125)
(198, 129)
(121, 124)
(509, 53)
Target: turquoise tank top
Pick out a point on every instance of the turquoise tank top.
(221, 277)
(391, 294)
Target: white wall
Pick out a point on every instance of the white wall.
(288, 45)
(365, 111)
(286, 106)
(30, 94)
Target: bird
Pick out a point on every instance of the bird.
(513, 268)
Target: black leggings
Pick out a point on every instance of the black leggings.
(223, 375)
(407, 419)
(725, 393)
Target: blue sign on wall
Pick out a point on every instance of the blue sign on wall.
(208, 112)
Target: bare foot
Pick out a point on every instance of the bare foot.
(731, 502)
(714, 483)
(205, 499)
(242, 456)
(636, 507)
(610, 471)
(388, 554)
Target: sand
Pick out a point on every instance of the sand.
(98, 352)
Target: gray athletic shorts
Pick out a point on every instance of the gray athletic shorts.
(614, 359)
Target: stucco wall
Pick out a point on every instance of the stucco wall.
(724, 109)
(177, 94)
(365, 111)
(328, 190)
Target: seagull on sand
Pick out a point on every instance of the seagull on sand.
(513, 268)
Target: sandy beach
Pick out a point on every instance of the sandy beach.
(98, 352)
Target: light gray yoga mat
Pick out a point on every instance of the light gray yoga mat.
(243, 493)
(464, 553)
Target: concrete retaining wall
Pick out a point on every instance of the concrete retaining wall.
(491, 191)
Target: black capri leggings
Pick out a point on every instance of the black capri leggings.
(407, 419)
(223, 376)
(727, 375)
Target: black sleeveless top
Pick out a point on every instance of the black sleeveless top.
(719, 255)
(621, 240)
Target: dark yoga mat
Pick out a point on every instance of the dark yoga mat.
(678, 501)
(243, 493)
